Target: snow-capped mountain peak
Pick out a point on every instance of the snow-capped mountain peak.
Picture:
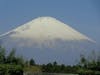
(48, 39)
(46, 28)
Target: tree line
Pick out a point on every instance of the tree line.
(84, 67)
(10, 64)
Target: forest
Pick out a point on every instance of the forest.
(12, 64)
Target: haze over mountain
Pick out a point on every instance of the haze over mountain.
(46, 40)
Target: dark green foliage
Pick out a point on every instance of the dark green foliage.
(86, 67)
(13, 65)
(55, 68)
(83, 61)
(6, 69)
(55, 63)
(49, 67)
(10, 65)
(11, 57)
(90, 67)
(2, 55)
(32, 62)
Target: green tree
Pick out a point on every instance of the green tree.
(83, 61)
(11, 57)
(55, 63)
(32, 62)
(2, 55)
(62, 68)
(56, 68)
(49, 67)
(19, 61)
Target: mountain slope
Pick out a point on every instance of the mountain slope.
(47, 39)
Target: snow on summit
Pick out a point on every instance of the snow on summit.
(47, 40)
(47, 28)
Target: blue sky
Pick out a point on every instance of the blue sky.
(83, 15)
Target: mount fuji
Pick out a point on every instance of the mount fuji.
(46, 39)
